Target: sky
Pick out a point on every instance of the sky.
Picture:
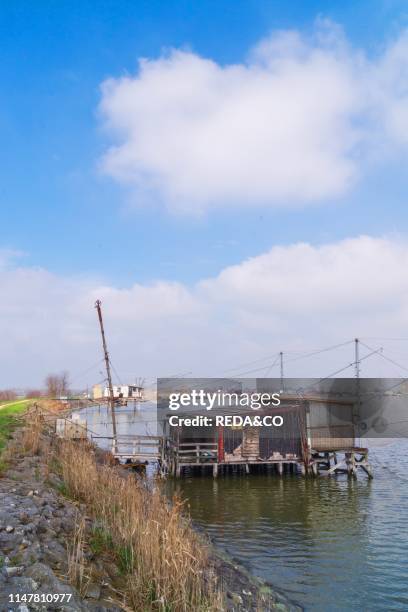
(228, 177)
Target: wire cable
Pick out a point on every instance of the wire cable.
(399, 365)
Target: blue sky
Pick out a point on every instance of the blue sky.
(177, 190)
(55, 205)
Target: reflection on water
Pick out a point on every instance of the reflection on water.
(329, 544)
(135, 418)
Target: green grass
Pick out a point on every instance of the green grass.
(8, 422)
(125, 559)
(63, 490)
(100, 540)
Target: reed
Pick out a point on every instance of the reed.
(32, 433)
(164, 561)
(76, 558)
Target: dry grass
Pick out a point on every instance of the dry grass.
(77, 575)
(164, 563)
(32, 433)
(164, 560)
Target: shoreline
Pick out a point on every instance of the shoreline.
(239, 581)
(39, 530)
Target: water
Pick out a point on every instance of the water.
(328, 544)
(136, 418)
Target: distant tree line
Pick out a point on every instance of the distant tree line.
(33, 393)
(56, 385)
(7, 395)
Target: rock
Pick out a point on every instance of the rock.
(42, 526)
(49, 583)
(56, 524)
(17, 585)
(13, 571)
(44, 576)
(9, 529)
(8, 542)
(54, 553)
(46, 511)
(93, 591)
(24, 518)
(30, 493)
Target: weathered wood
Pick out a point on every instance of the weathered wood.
(250, 443)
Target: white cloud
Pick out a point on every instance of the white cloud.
(292, 125)
(295, 297)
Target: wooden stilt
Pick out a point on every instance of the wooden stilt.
(350, 463)
(367, 469)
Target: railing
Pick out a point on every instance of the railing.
(137, 448)
(196, 453)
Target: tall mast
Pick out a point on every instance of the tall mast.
(356, 358)
(98, 304)
(356, 412)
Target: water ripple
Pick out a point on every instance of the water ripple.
(330, 544)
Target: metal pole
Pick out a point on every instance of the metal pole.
(356, 415)
(108, 372)
(357, 357)
(281, 371)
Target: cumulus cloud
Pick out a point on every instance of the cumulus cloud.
(295, 297)
(292, 125)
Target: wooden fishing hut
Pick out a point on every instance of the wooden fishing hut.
(317, 438)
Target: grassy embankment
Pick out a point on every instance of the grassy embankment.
(164, 563)
(9, 420)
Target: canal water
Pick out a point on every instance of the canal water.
(328, 544)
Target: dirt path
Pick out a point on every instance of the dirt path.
(14, 403)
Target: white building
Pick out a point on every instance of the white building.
(125, 391)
